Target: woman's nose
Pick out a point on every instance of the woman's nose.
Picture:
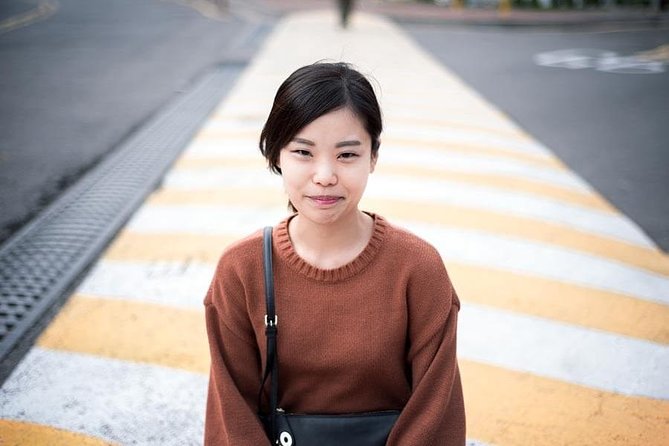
(325, 174)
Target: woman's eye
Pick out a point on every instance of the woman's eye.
(301, 152)
(348, 155)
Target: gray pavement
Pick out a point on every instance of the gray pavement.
(604, 121)
(80, 79)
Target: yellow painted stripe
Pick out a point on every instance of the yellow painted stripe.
(16, 433)
(525, 294)
(564, 302)
(131, 331)
(511, 408)
(452, 216)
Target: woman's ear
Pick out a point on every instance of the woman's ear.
(372, 162)
(375, 155)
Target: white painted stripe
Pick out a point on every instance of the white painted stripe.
(403, 156)
(460, 245)
(124, 402)
(204, 219)
(486, 198)
(450, 118)
(561, 351)
(413, 131)
(543, 260)
(232, 148)
(397, 155)
(455, 136)
(217, 177)
(602, 223)
(175, 284)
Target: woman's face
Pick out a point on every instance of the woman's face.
(326, 165)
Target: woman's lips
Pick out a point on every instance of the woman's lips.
(324, 200)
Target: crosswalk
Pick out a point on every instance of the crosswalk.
(564, 328)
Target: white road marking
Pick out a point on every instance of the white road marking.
(124, 402)
(480, 164)
(486, 198)
(543, 260)
(493, 336)
(455, 136)
(452, 135)
(460, 245)
(578, 355)
(594, 221)
(175, 284)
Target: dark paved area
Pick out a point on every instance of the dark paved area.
(78, 82)
(609, 127)
(424, 12)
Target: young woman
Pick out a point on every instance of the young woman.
(367, 312)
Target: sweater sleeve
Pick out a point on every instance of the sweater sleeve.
(434, 414)
(231, 411)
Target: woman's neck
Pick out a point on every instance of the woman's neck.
(333, 245)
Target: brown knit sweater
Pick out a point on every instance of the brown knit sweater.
(378, 333)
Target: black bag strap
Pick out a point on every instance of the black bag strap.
(272, 360)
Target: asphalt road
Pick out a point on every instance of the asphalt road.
(79, 76)
(608, 126)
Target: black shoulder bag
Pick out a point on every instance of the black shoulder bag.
(290, 429)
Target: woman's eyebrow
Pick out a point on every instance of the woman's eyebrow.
(303, 141)
(339, 144)
(348, 143)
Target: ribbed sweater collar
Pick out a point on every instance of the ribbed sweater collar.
(284, 248)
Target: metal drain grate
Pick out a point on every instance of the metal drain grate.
(41, 262)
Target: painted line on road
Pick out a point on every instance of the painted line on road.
(130, 268)
(564, 352)
(523, 228)
(447, 215)
(573, 304)
(494, 128)
(542, 260)
(462, 131)
(130, 271)
(504, 129)
(175, 283)
(399, 133)
(521, 205)
(399, 158)
(506, 407)
(472, 149)
(124, 402)
(457, 244)
(111, 328)
(201, 165)
(15, 433)
(440, 192)
(438, 160)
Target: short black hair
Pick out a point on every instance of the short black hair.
(309, 93)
